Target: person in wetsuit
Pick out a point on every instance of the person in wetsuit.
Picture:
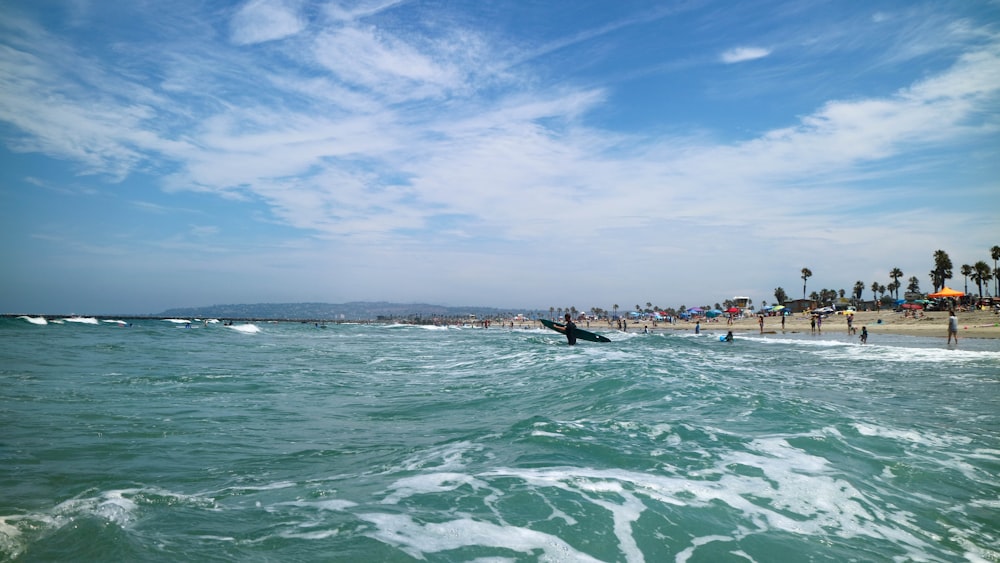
(569, 330)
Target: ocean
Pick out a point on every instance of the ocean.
(292, 442)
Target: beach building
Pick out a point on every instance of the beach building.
(800, 305)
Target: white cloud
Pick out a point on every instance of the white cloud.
(386, 64)
(258, 21)
(405, 146)
(742, 54)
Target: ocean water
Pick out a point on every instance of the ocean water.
(289, 442)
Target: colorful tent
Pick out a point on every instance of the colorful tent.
(946, 292)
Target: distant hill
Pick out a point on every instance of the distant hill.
(359, 310)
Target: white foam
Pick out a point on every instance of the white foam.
(177, 321)
(430, 483)
(798, 493)
(245, 328)
(11, 541)
(911, 436)
(447, 457)
(34, 320)
(418, 539)
(81, 320)
(686, 553)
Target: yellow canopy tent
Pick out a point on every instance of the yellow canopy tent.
(946, 292)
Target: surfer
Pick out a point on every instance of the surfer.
(729, 336)
(569, 330)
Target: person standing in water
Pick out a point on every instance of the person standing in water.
(864, 335)
(952, 327)
(569, 329)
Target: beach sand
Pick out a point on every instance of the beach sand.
(971, 324)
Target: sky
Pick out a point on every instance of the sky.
(514, 154)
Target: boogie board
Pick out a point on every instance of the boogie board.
(580, 333)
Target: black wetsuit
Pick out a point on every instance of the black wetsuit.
(570, 332)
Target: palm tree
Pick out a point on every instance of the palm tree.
(995, 253)
(780, 295)
(981, 274)
(966, 272)
(859, 288)
(874, 289)
(895, 274)
(914, 286)
(806, 274)
(615, 307)
(893, 288)
(942, 269)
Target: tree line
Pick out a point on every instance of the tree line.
(980, 273)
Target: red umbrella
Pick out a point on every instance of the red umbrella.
(912, 306)
(732, 310)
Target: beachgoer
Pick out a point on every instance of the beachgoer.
(812, 324)
(782, 321)
(952, 327)
(864, 335)
(760, 321)
(697, 327)
(569, 329)
(729, 336)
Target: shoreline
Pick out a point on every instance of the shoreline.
(971, 324)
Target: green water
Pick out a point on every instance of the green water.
(288, 442)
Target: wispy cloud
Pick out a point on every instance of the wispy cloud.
(258, 21)
(743, 54)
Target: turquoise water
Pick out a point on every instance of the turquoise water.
(288, 442)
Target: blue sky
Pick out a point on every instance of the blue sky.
(508, 154)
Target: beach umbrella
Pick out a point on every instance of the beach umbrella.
(733, 310)
(695, 310)
(946, 292)
(714, 313)
(778, 307)
(912, 306)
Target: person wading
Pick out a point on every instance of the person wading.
(569, 329)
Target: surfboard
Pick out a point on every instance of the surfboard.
(580, 333)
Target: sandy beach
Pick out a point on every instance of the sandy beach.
(971, 324)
